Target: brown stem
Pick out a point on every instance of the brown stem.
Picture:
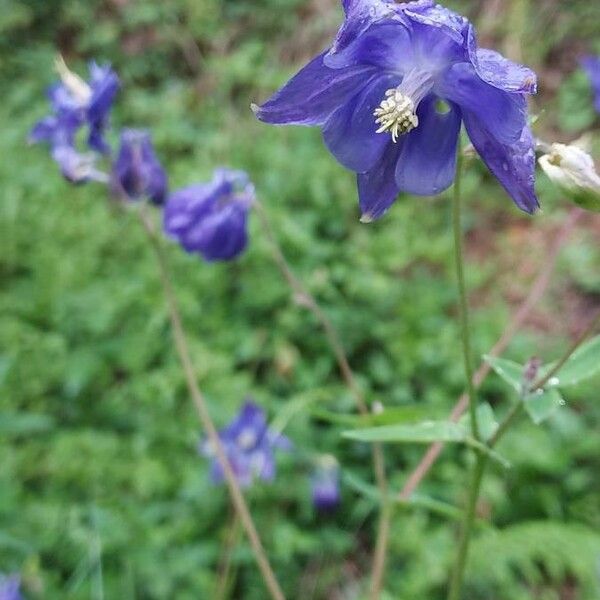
(535, 294)
(239, 503)
(306, 299)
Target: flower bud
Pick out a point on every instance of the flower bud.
(211, 219)
(137, 172)
(572, 170)
(325, 483)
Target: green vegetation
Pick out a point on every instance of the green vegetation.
(102, 493)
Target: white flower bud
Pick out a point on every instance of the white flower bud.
(572, 169)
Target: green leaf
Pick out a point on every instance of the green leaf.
(425, 432)
(509, 370)
(541, 405)
(583, 364)
(398, 414)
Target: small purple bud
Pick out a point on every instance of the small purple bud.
(530, 373)
(211, 219)
(137, 173)
(325, 483)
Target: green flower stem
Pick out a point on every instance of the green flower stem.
(467, 527)
(463, 300)
(480, 463)
(237, 498)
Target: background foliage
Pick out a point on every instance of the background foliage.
(102, 494)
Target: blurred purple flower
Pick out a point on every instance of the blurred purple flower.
(137, 172)
(390, 96)
(325, 484)
(77, 167)
(211, 218)
(10, 587)
(75, 103)
(250, 446)
(591, 65)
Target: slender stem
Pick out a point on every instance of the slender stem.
(462, 292)
(536, 292)
(306, 299)
(479, 468)
(467, 526)
(181, 345)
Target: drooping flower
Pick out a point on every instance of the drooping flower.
(591, 65)
(211, 219)
(325, 484)
(76, 103)
(10, 587)
(390, 96)
(573, 171)
(250, 446)
(137, 172)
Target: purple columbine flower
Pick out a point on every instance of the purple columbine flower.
(10, 587)
(250, 446)
(591, 65)
(137, 172)
(390, 96)
(211, 219)
(76, 103)
(325, 484)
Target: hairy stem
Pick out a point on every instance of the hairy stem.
(181, 344)
(306, 299)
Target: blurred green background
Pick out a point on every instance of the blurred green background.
(102, 493)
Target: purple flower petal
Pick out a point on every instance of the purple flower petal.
(221, 235)
(360, 15)
(427, 163)
(10, 588)
(500, 72)
(351, 133)
(504, 114)
(313, 94)
(211, 219)
(104, 85)
(249, 445)
(377, 188)
(386, 45)
(513, 165)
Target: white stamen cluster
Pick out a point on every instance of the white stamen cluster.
(396, 114)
